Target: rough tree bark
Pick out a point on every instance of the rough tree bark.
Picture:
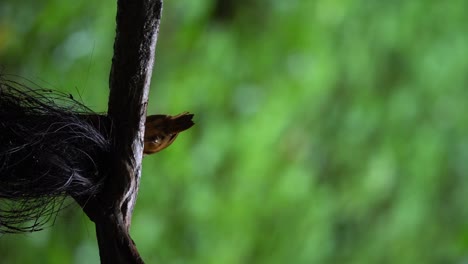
(132, 65)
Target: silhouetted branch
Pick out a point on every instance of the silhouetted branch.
(132, 65)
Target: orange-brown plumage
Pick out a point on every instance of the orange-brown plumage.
(162, 130)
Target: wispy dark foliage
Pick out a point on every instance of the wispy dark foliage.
(50, 147)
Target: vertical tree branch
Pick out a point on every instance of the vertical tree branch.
(132, 65)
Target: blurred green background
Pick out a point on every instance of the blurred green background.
(327, 131)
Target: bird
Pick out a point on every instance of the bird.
(162, 130)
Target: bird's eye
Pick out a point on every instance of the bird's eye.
(157, 140)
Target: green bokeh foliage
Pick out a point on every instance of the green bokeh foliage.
(327, 131)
